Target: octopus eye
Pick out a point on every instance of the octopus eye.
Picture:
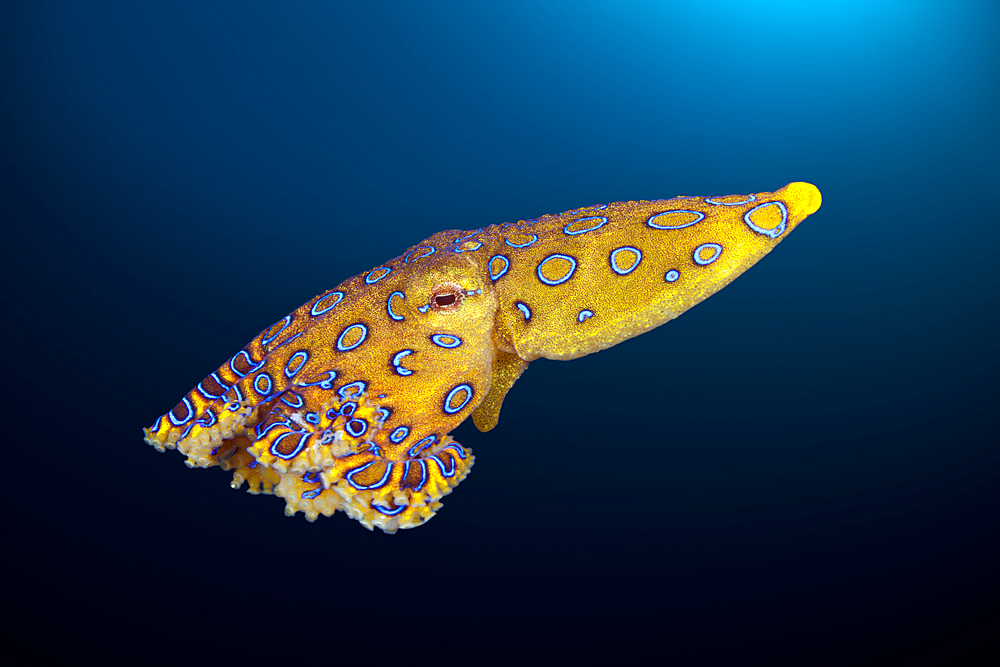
(446, 297)
(442, 300)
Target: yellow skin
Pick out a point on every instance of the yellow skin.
(347, 402)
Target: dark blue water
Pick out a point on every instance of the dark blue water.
(804, 467)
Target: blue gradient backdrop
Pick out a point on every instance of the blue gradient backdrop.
(803, 468)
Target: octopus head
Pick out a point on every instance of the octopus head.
(451, 295)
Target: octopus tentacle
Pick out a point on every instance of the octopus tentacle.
(323, 466)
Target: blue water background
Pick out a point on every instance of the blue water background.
(804, 467)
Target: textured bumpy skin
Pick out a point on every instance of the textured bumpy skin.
(346, 404)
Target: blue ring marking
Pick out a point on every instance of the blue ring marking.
(340, 339)
(185, 432)
(704, 262)
(156, 424)
(348, 409)
(478, 246)
(506, 266)
(311, 477)
(374, 449)
(422, 444)
(312, 417)
(219, 381)
(350, 477)
(772, 233)
(451, 394)
(356, 427)
(383, 414)
(398, 359)
(409, 256)
(388, 306)
(534, 238)
(444, 472)
(372, 281)
(457, 448)
(309, 495)
(299, 402)
(393, 512)
(625, 272)
(467, 236)
(201, 390)
(298, 447)
(319, 309)
(569, 274)
(446, 341)
(701, 216)
(253, 464)
(208, 420)
(602, 221)
(239, 397)
(301, 356)
(584, 315)
(524, 310)
(359, 386)
(749, 199)
(190, 414)
(398, 435)
(331, 414)
(325, 384)
(246, 355)
(423, 308)
(257, 382)
(287, 340)
(233, 361)
(286, 320)
(672, 275)
(423, 471)
(274, 424)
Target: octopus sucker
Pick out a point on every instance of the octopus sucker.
(346, 403)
